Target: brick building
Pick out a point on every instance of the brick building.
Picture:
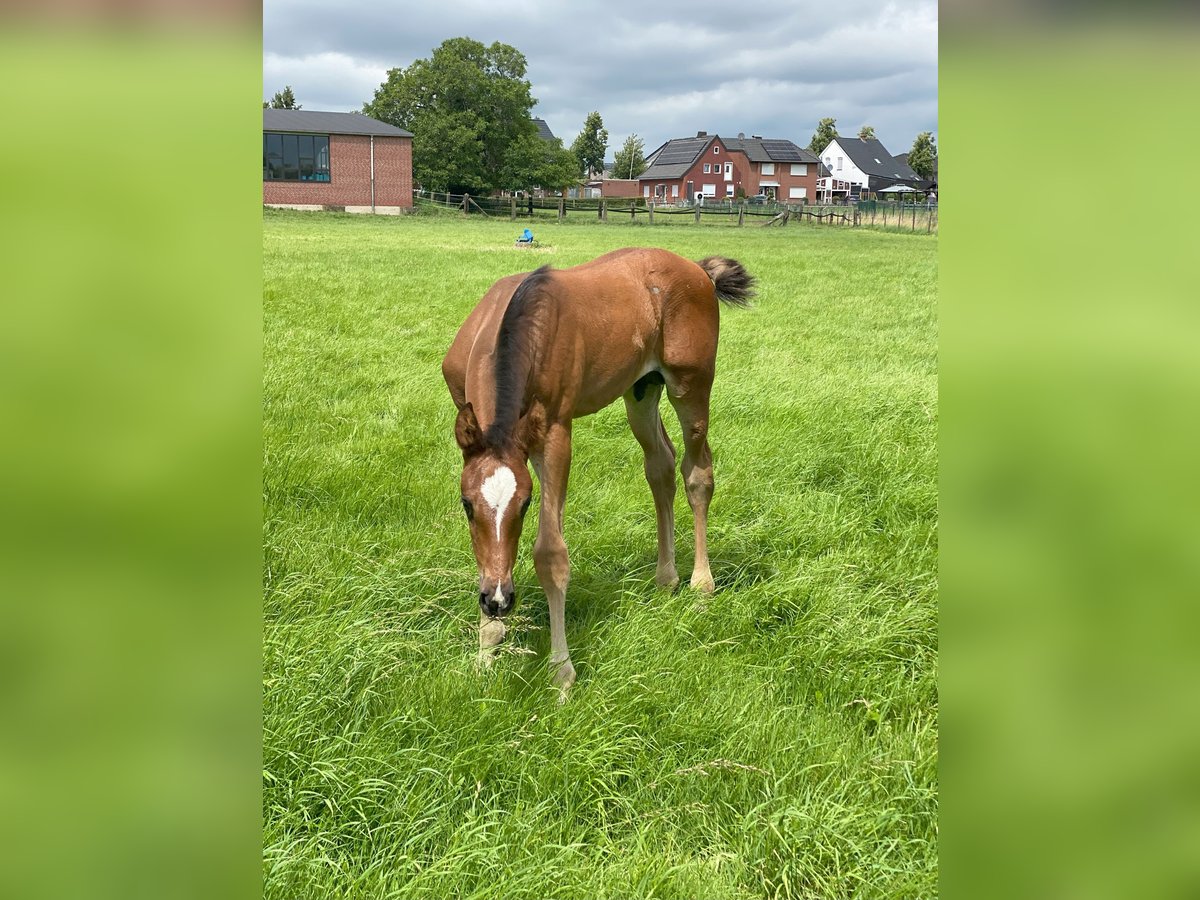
(342, 161)
(715, 168)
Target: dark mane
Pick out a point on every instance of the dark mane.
(515, 344)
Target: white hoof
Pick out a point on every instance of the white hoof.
(703, 581)
(563, 676)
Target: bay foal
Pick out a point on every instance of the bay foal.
(545, 348)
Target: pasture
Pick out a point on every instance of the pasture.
(778, 739)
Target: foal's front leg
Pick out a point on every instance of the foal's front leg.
(553, 465)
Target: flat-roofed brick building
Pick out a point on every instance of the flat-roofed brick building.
(330, 160)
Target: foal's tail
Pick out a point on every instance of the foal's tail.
(733, 284)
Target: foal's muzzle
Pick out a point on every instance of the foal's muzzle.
(495, 599)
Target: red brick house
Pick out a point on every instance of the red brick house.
(342, 161)
(715, 168)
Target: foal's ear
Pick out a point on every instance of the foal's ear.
(531, 430)
(466, 431)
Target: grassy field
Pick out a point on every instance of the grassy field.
(778, 740)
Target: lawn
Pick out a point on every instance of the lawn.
(776, 740)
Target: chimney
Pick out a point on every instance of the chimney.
(701, 134)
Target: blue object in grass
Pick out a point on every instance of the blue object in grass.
(526, 237)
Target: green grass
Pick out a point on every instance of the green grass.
(779, 740)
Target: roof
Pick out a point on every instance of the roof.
(308, 121)
(872, 158)
(771, 150)
(676, 156)
(544, 131)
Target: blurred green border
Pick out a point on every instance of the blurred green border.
(1069, 384)
(130, 354)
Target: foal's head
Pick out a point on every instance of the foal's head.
(496, 490)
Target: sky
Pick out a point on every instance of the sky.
(662, 69)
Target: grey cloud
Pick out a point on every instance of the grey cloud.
(663, 70)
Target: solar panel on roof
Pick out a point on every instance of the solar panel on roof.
(678, 152)
(782, 150)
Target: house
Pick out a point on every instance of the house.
(927, 184)
(859, 166)
(779, 169)
(544, 131)
(331, 160)
(709, 166)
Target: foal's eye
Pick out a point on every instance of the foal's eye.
(525, 505)
(468, 509)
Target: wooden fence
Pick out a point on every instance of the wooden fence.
(875, 214)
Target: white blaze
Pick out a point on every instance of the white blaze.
(498, 491)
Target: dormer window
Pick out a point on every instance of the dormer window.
(716, 148)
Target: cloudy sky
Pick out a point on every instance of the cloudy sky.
(661, 68)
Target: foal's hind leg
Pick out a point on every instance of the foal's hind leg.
(660, 473)
(689, 396)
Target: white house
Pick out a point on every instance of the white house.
(863, 166)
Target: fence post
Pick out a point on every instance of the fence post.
(466, 203)
(604, 208)
(512, 212)
(928, 219)
(651, 213)
(561, 208)
(698, 209)
(742, 214)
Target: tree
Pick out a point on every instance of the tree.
(922, 158)
(468, 107)
(630, 160)
(826, 133)
(591, 145)
(533, 162)
(284, 99)
(867, 133)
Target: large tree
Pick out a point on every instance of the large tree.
(922, 158)
(468, 107)
(630, 160)
(826, 133)
(591, 145)
(284, 99)
(867, 133)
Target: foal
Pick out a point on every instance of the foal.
(543, 349)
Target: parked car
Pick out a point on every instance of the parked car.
(758, 199)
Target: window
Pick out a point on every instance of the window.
(295, 157)
(708, 168)
(645, 190)
(716, 148)
(799, 168)
(839, 168)
(674, 190)
(728, 170)
(729, 190)
(709, 190)
(797, 193)
(768, 168)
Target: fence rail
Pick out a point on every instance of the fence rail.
(874, 214)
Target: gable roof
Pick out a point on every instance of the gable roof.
(872, 158)
(675, 157)
(308, 121)
(544, 131)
